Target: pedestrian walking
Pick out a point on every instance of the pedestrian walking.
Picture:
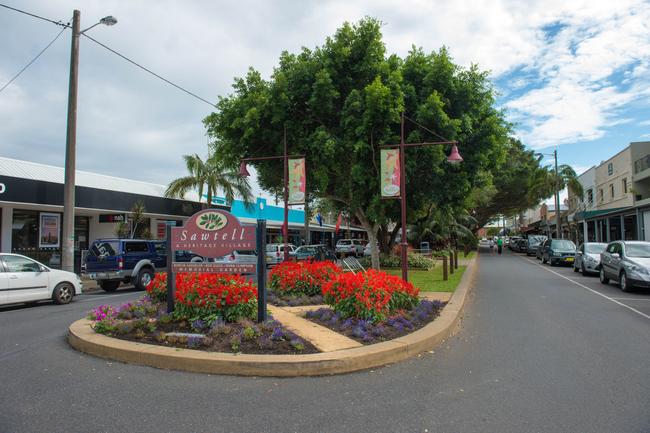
(491, 245)
(499, 245)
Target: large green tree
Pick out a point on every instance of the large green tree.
(341, 101)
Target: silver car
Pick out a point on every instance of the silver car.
(627, 262)
(588, 257)
(275, 253)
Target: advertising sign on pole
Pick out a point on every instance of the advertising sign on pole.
(390, 174)
(297, 181)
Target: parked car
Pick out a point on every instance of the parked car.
(512, 242)
(366, 249)
(628, 262)
(239, 256)
(275, 253)
(349, 247)
(23, 279)
(588, 257)
(522, 245)
(539, 250)
(557, 251)
(533, 242)
(114, 261)
(314, 252)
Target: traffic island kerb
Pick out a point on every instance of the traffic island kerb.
(83, 338)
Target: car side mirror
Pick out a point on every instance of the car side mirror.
(42, 268)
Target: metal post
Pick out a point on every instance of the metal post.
(622, 227)
(171, 277)
(67, 246)
(444, 268)
(608, 233)
(261, 271)
(402, 187)
(451, 262)
(285, 234)
(558, 229)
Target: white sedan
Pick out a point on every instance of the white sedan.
(25, 280)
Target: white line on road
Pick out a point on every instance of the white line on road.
(591, 290)
(84, 300)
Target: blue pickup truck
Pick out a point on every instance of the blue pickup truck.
(114, 261)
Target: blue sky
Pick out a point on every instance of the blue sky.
(571, 74)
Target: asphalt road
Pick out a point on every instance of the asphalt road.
(536, 353)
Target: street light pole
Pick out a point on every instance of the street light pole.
(67, 247)
(285, 234)
(558, 231)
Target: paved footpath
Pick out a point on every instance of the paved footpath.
(536, 353)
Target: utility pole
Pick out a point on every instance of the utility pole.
(558, 230)
(67, 246)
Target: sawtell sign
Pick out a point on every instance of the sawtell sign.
(215, 233)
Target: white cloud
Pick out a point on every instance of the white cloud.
(132, 125)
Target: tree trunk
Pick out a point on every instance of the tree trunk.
(372, 230)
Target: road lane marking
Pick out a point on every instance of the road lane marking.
(591, 290)
(84, 300)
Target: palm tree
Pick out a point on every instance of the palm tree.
(211, 175)
(543, 181)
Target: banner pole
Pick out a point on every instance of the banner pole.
(171, 278)
(261, 271)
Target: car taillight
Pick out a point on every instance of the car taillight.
(120, 263)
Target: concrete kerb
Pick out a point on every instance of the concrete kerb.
(83, 338)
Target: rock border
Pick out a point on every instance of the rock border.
(83, 338)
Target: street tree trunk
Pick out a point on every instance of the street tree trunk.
(372, 230)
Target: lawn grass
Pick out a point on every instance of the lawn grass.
(431, 280)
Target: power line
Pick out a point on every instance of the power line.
(58, 23)
(33, 60)
(149, 71)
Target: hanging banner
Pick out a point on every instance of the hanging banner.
(297, 181)
(390, 175)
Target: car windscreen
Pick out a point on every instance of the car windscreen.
(595, 248)
(563, 245)
(637, 250)
(104, 248)
(271, 248)
(343, 242)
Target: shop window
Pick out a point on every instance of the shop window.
(624, 182)
(590, 196)
(24, 231)
(610, 169)
(611, 190)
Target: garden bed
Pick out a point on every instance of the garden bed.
(369, 331)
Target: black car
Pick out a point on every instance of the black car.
(534, 241)
(314, 252)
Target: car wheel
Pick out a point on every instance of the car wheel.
(63, 293)
(109, 286)
(196, 260)
(603, 277)
(623, 283)
(552, 262)
(583, 269)
(145, 276)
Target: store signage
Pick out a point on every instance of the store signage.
(213, 233)
(220, 268)
(2, 188)
(297, 181)
(390, 174)
(112, 218)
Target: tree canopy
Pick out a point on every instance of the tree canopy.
(339, 102)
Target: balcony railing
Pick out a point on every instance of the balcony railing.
(642, 164)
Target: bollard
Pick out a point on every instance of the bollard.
(456, 259)
(444, 268)
(451, 262)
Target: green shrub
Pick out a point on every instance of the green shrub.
(415, 261)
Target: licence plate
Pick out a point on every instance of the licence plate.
(569, 259)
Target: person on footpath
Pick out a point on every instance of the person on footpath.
(491, 246)
(499, 245)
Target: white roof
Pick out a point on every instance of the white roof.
(49, 173)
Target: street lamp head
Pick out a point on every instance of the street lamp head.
(454, 157)
(243, 171)
(109, 20)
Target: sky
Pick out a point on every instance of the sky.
(570, 75)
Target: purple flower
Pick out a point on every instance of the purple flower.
(398, 326)
(199, 325)
(297, 344)
(347, 324)
(277, 334)
(378, 331)
(390, 321)
(194, 342)
(421, 316)
(358, 332)
(333, 321)
(367, 338)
